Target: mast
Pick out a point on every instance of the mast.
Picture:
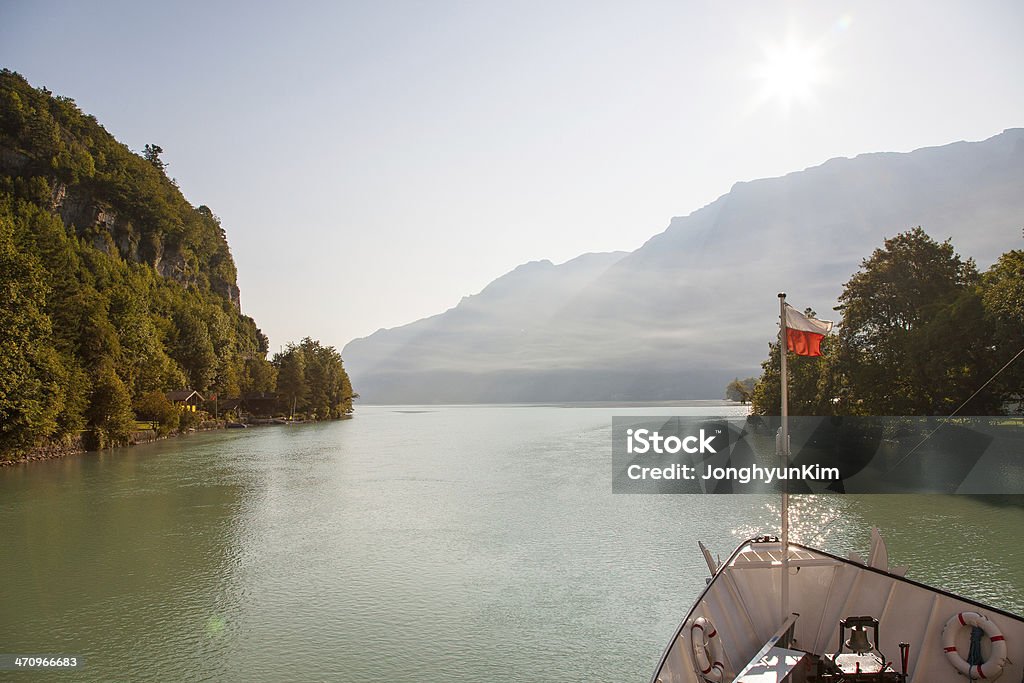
(783, 449)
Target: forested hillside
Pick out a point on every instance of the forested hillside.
(113, 288)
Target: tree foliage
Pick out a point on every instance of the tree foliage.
(113, 288)
(921, 332)
(151, 153)
(909, 329)
(1002, 299)
(31, 375)
(109, 414)
(57, 157)
(311, 379)
(740, 390)
(811, 383)
(155, 406)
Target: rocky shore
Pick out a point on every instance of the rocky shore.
(50, 451)
(74, 446)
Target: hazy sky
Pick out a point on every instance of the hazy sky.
(373, 162)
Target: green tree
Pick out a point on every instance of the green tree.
(1002, 298)
(31, 394)
(194, 350)
(111, 421)
(904, 344)
(157, 407)
(258, 375)
(741, 391)
(811, 384)
(151, 153)
(142, 361)
(311, 379)
(291, 377)
(94, 312)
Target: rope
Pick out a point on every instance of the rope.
(947, 418)
(974, 655)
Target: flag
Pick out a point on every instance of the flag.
(803, 334)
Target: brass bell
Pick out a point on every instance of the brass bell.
(858, 641)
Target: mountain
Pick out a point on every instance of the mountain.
(115, 290)
(695, 305)
(503, 328)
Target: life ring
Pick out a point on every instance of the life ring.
(991, 667)
(707, 650)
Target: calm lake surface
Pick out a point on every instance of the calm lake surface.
(457, 543)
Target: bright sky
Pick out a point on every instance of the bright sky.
(374, 161)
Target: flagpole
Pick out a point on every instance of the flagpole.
(784, 453)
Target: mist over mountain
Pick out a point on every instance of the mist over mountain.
(696, 304)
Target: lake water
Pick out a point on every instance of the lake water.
(461, 543)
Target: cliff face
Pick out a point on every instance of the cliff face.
(84, 215)
(109, 231)
(123, 205)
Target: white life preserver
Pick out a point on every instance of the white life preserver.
(707, 650)
(991, 667)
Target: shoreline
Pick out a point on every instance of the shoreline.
(58, 450)
(50, 451)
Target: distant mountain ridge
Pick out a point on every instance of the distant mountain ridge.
(695, 305)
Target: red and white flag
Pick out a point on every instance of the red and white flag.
(803, 334)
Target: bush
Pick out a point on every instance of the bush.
(157, 407)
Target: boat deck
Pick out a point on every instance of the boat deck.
(743, 602)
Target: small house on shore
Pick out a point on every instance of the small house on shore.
(187, 398)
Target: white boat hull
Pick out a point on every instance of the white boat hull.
(743, 601)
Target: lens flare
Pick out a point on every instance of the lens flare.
(789, 73)
(215, 625)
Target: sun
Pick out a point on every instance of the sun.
(789, 73)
